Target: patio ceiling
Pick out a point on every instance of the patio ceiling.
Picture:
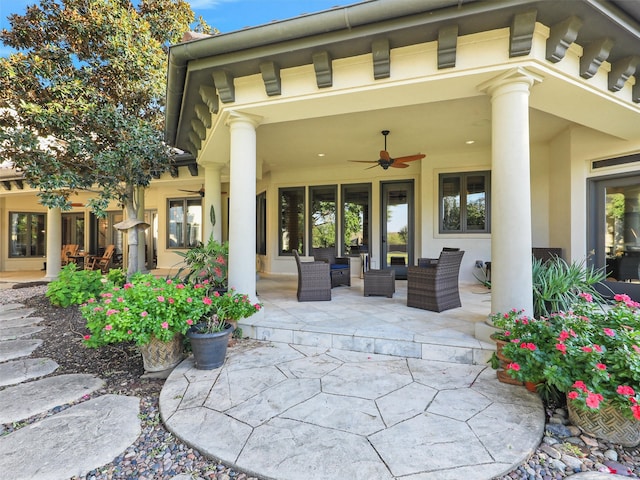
(426, 128)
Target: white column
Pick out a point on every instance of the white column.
(242, 204)
(511, 283)
(142, 244)
(212, 198)
(54, 243)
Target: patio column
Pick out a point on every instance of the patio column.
(212, 198)
(511, 283)
(242, 205)
(54, 243)
(142, 242)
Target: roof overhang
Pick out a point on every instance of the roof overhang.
(214, 62)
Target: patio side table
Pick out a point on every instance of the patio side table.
(380, 282)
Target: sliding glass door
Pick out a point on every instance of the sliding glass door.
(614, 231)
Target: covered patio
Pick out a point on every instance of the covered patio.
(351, 321)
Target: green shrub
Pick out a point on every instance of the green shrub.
(117, 277)
(74, 287)
(557, 285)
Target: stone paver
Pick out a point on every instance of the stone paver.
(13, 313)
(17, 371)
(596, 476)
(290, 412)
(14, 333)
(12, 349)
(20, 322)
(41, 395)
(72, 442)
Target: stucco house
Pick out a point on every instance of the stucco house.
(527, 113)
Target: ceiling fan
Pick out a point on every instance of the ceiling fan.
(200, 192)
(385, 161)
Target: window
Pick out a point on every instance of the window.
(73, 229)
(464, 202)
(322, 214)
(27, 234)
(185, 222)
(356, 217)
(291, 221)
(261, 224)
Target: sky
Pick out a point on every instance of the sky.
(225, 15)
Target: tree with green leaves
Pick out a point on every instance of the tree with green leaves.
(81, 100)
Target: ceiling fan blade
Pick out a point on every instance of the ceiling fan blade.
(399, 165)
(384, 155)
(373, 166)
(410, 158)
(364, 161)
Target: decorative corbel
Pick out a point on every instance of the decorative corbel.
(209, 97)
(324, 71)
(621, 71)
(447, 46)
(381, 58)
(223, 80)
(521, 33)
(199, 128)
(271, 78)
(561, 36)
(593, 55)
(203, 114)
(195, 139)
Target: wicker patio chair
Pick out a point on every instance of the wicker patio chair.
(314, 280)
(339, 266)
(435, 288)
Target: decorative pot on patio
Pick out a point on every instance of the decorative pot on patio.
(607, 423)
(501, 372)
(209, 349)
(158, 355)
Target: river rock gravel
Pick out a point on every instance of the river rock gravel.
(157, 454)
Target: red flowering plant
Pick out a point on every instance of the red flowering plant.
(227, 307)
(206, 264)
(143, 307)
(528, 341)
(591, 353)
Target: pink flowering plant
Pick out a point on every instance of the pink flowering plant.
(227, 307)
(591, 353)
(143, 307)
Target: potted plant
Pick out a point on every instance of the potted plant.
(592, 354)
(210, 336)
(152, 312)
(558, 284)
(207, 265)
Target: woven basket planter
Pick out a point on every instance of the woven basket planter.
(607, 423)
(158, 355)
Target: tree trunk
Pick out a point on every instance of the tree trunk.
(132, 239)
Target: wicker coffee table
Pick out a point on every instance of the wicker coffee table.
(380, 282)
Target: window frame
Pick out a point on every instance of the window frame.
(462, 177)
(28, 247)
(334, 189)
(367, 188)
(261, 223)
(281, 190)
(185, 204)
